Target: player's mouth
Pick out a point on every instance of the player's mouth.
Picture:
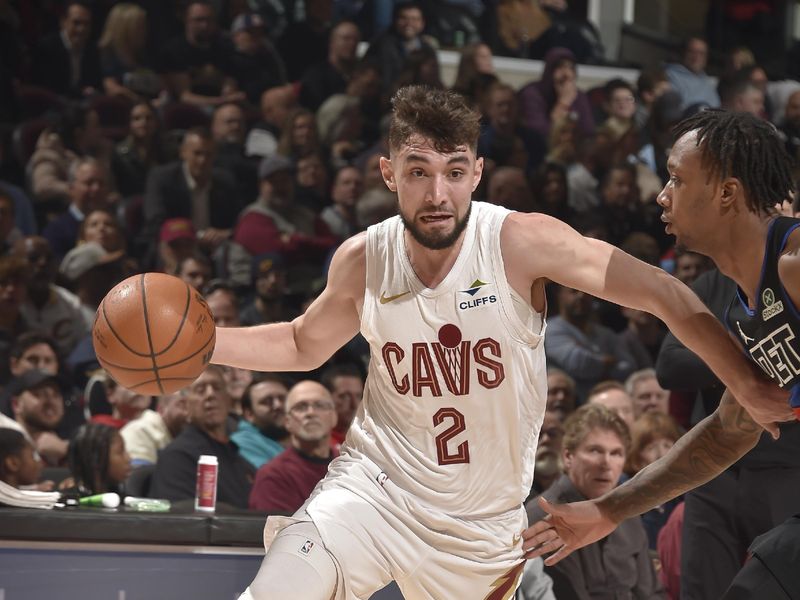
(435, 218)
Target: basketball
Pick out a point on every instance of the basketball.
(154, 334)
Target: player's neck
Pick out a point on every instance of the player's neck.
(432, 266)
(740, 252)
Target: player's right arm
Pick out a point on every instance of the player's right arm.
(704, 452)
(308, 341)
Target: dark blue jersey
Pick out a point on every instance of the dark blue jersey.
(770, 330)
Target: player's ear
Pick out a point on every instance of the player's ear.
(478, 173)
(387, 172)
(11, 464)
(730, 190)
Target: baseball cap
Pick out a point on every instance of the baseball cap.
(264, 263)
(177, 229)
(246, 21)
(31, 380)
(273, 164)
(85, 257)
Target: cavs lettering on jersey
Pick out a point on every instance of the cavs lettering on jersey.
(769, 331)
(457, 386)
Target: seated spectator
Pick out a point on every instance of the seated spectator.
(652, 435)
(563, 142)
(340, 217)
(276, 224)
(285, 482)
(228, 128)
(101, 227)
(568, 29)
(9, 234)
(177, 241)
(197, 64)
(345, 382)
(549, 466)
(503, 140)
(622, 209)
(311, 182)
(619, 105)
(255, 63)
(123, 55)
(13, 280)
(613, 396)
(596, 442)
(642, 336)
(509, 187)
(391, 48)
(651, 85)
(648, 396)
(690, 265)
(20, 465)
(475, 71)
(305, 43)
(560, 393)
(97, 460)
(790, 128)
(299, 135)
(38, 407)
(421, 67)
(275, 105)
(555, 95)
(154, 430)
(92, 272)
(126, 405)
(67, 62)
(330, 77)
(738, 94)
(270, 304)
(196, 270)
(688, 78)
(140, 151)
(192, 189)
(88, 191)
(74, 133)
(48, 308)
(340, 124)
(175, 476)
(262, 435)
(550, 192)
(586, 350)
(223, 303)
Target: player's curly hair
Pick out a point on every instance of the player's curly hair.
(743, 146)
(441, 116)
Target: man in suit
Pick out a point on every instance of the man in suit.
(191, 188)
(67, 62)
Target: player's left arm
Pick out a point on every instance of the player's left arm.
(536, 246)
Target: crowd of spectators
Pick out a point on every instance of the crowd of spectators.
(236, 150)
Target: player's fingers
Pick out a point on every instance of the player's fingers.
(558, 556)
(537, 528)
(544, 548)
(773, 430)
(543, 537)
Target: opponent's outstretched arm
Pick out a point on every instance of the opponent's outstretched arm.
(703, 453)
(538, 246)
(309, 340)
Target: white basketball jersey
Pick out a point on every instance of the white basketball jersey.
(456, 390)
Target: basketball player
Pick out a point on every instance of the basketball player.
(429, 488)
(728, 174)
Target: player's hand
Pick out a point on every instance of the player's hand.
(566, 528)
(767, 405)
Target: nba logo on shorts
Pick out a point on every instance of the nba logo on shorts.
(306, 548)
(381, 478)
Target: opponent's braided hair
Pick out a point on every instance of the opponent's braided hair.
(741, 145)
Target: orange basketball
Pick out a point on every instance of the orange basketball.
(154, 334)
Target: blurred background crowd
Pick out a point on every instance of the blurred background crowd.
(235, 144)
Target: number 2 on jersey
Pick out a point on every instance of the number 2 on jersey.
(443, 452)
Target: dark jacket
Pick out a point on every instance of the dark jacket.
(52, 67)
(618, 567)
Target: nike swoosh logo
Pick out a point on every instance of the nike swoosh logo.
(386, 299)
(516, 539)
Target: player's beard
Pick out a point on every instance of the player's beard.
(438, 241)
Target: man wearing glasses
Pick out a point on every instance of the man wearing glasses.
(284, 483)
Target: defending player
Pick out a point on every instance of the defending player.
(450, 295)
(728, 171)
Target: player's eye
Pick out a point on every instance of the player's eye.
(456, 174)
(417, 173)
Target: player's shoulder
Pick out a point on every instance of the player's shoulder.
(349, 260)
(789, 265)
(532, 227)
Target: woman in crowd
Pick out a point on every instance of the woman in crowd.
(97, 459)
(141, 150)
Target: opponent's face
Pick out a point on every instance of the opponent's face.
(434, 190)
(595, 466)
(687, 198)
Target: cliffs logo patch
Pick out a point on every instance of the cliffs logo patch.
(477, 286)
(771, 306)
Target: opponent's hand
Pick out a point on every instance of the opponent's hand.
(767, 405)
(566, 528)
